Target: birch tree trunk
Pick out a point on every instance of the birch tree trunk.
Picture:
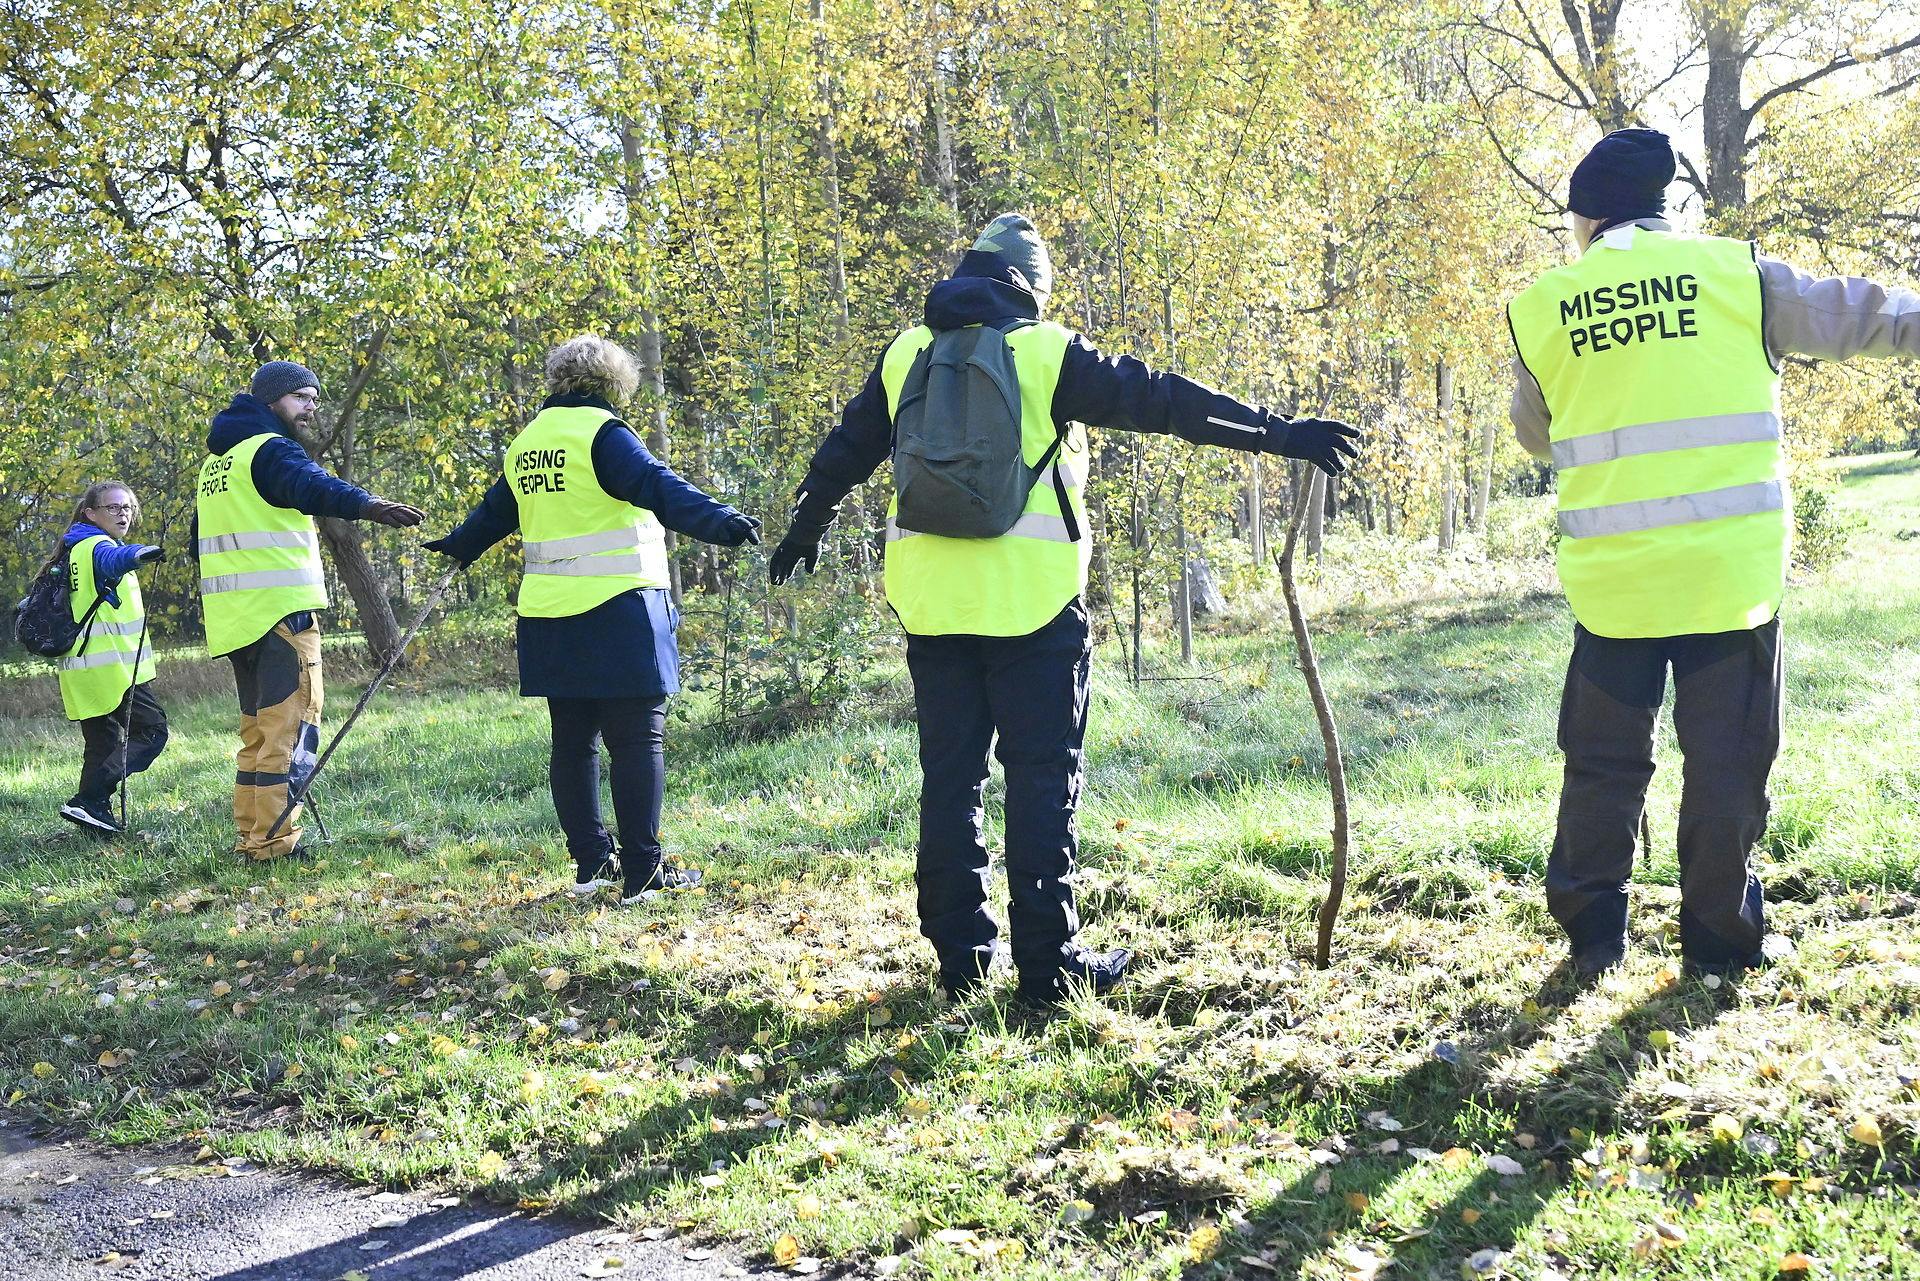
(1443, 409)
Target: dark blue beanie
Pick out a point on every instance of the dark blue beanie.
(278, 377)
(1624, 176)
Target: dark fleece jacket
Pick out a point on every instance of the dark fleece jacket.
(282, 472)
(1101, 391)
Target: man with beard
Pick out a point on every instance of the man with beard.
(261, 585)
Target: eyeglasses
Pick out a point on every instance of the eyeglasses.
(114, 509)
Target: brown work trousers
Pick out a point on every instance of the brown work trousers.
(278, 678)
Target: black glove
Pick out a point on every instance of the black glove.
(442, 545)
(792, 551)
(396, 515)
(1327, 443)
(740, 528)
(150, 555)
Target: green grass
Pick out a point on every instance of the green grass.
(768, 1057)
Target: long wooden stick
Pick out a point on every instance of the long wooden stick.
(1323, 712)
(296, 794)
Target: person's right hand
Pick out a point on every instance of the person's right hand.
(396, 515)
(791, 553)
(1327, 443)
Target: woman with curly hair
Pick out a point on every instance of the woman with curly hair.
(106, 683)
(596, 627)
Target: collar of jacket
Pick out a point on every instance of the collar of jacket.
(1649, 222)
(574, 400)
(81, 530)
(246, 417)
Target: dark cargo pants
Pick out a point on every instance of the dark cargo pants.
(120, 743)
(1727, 714)
(1032, 691)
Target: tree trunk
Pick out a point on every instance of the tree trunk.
(653, 374)
(1484, 494)
(1183, 593)
(363, 585)
(1443, 409)
(1257, 514)
(1723, 119)
(946, 178)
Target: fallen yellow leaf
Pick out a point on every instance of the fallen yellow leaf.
(349, 1043)
(786, 1251)
(1358, 1202)
(1796, 1264)
(1469, 1216)
(1204, 1244)
(807, 1207)
(1866, 1130)
(1725, 1129)
(491, 1165)
(42, 1070)
(555, 980)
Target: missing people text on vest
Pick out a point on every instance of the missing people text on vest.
(540, 471)
(1609, 316)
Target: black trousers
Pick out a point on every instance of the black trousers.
(144, 726)
(1727, 716)
(1032, 692)
(634, 730)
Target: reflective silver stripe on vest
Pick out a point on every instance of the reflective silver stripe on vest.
(1040, 525)
(106, 658)
(130, 627)
(1066, 470)
(260, 578)
(556, 549)
(590, 566)
(1683, 509)
(1660, 438)
(253, 540)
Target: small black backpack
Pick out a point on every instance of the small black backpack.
(43, 620)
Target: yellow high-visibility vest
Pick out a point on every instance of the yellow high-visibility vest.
(1014, 584)
(1674, 511)
(93, 683)
(259, 562)
(582, 545)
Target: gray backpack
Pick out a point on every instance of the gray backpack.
(958, 469)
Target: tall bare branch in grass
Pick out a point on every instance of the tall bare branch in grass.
(1323, 712)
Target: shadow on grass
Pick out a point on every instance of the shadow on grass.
(1443, 1099)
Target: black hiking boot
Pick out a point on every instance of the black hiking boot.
(966, 973)
(1100, 971)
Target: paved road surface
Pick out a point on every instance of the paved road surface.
(73, 1210)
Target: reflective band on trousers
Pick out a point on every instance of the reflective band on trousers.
(1682, 509)
(260, 578)
(255, 539)
(589, 566)
(1660, 438)
(1040, 525)
(107, 658)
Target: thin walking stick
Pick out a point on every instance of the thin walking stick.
(296, 794)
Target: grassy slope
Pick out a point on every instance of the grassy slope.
(767, 1058)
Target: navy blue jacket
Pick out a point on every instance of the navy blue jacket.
(282, 472)
(1102, 391)
(112, 560)
(624, 648)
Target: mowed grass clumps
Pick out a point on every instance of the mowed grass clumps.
(766, 1062)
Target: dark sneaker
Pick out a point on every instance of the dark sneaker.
(663, 877)
(963, 975)
(95, 818)
(1101, 971)
(592, 878)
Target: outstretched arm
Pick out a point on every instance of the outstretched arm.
(1835, 317)
(497, 516)
(1124, 392)
(627, 470)
(851, 453)
(287, 477)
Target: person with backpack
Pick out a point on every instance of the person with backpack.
(262, 586)
(106, 678)
(987, 550)
(596, 625)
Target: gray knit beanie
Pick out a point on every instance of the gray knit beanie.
(1017, 241)
(278, 377)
